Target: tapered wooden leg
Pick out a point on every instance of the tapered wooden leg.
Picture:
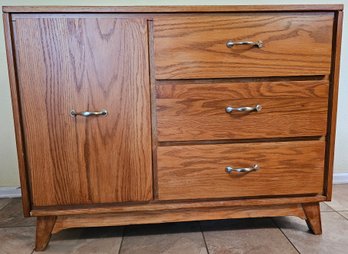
(312, 212)
(44, 227)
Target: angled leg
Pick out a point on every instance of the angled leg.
(44, 227)
(312, 212)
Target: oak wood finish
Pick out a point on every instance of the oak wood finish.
(195, 46)
(44, 227)
(98, 220)
(174, 9)
(196, 111)
(163, 73)
(170, 205)
(17, 116)
(313, 219)
(286, 168)
(95, 159)
(332, 116)
(153, 111)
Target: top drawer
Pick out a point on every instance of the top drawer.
(294, 44)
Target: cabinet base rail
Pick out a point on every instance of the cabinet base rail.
(48, 225)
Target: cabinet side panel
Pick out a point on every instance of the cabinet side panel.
(16, 115)
(333, 97)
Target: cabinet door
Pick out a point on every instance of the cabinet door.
(66, 63)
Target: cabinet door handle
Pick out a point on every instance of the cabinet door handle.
(103, 112)
(257, 108)
(229, 169)
(231, 43)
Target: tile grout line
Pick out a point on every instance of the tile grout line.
(119, 249)
(334, 210)
(205, 242)
(20, 226)
(329, 206)
(292, 244)
(342, 215)
(6, 205)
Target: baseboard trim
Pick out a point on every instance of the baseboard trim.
(340, 178)
(10, 192)
(15, 192)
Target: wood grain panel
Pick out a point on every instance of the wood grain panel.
(193, 111)
(195, 46)
(286, 168)
(85, 64)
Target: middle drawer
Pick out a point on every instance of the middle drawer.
(200, 111)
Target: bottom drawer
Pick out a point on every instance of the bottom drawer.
(199, 171)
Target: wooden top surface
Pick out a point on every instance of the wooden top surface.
(170, 9)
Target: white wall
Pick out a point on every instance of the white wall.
(8, 157)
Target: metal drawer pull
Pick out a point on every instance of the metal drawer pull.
(103, 112)
(257, 108)
(229, 169)
(230, 43)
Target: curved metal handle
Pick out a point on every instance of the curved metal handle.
(231, 43)
(254, 167)
(103, 112)
(257, 108)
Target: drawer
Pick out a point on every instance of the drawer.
(294, 44)
(197, 111)
(285, 168)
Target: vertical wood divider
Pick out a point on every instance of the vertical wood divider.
(153, 108)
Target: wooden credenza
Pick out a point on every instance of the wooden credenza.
(130, 115)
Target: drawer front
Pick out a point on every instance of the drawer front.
(197, 111)
(285, 168)
(195, 46)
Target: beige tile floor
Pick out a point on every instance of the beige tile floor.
(265, 235)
